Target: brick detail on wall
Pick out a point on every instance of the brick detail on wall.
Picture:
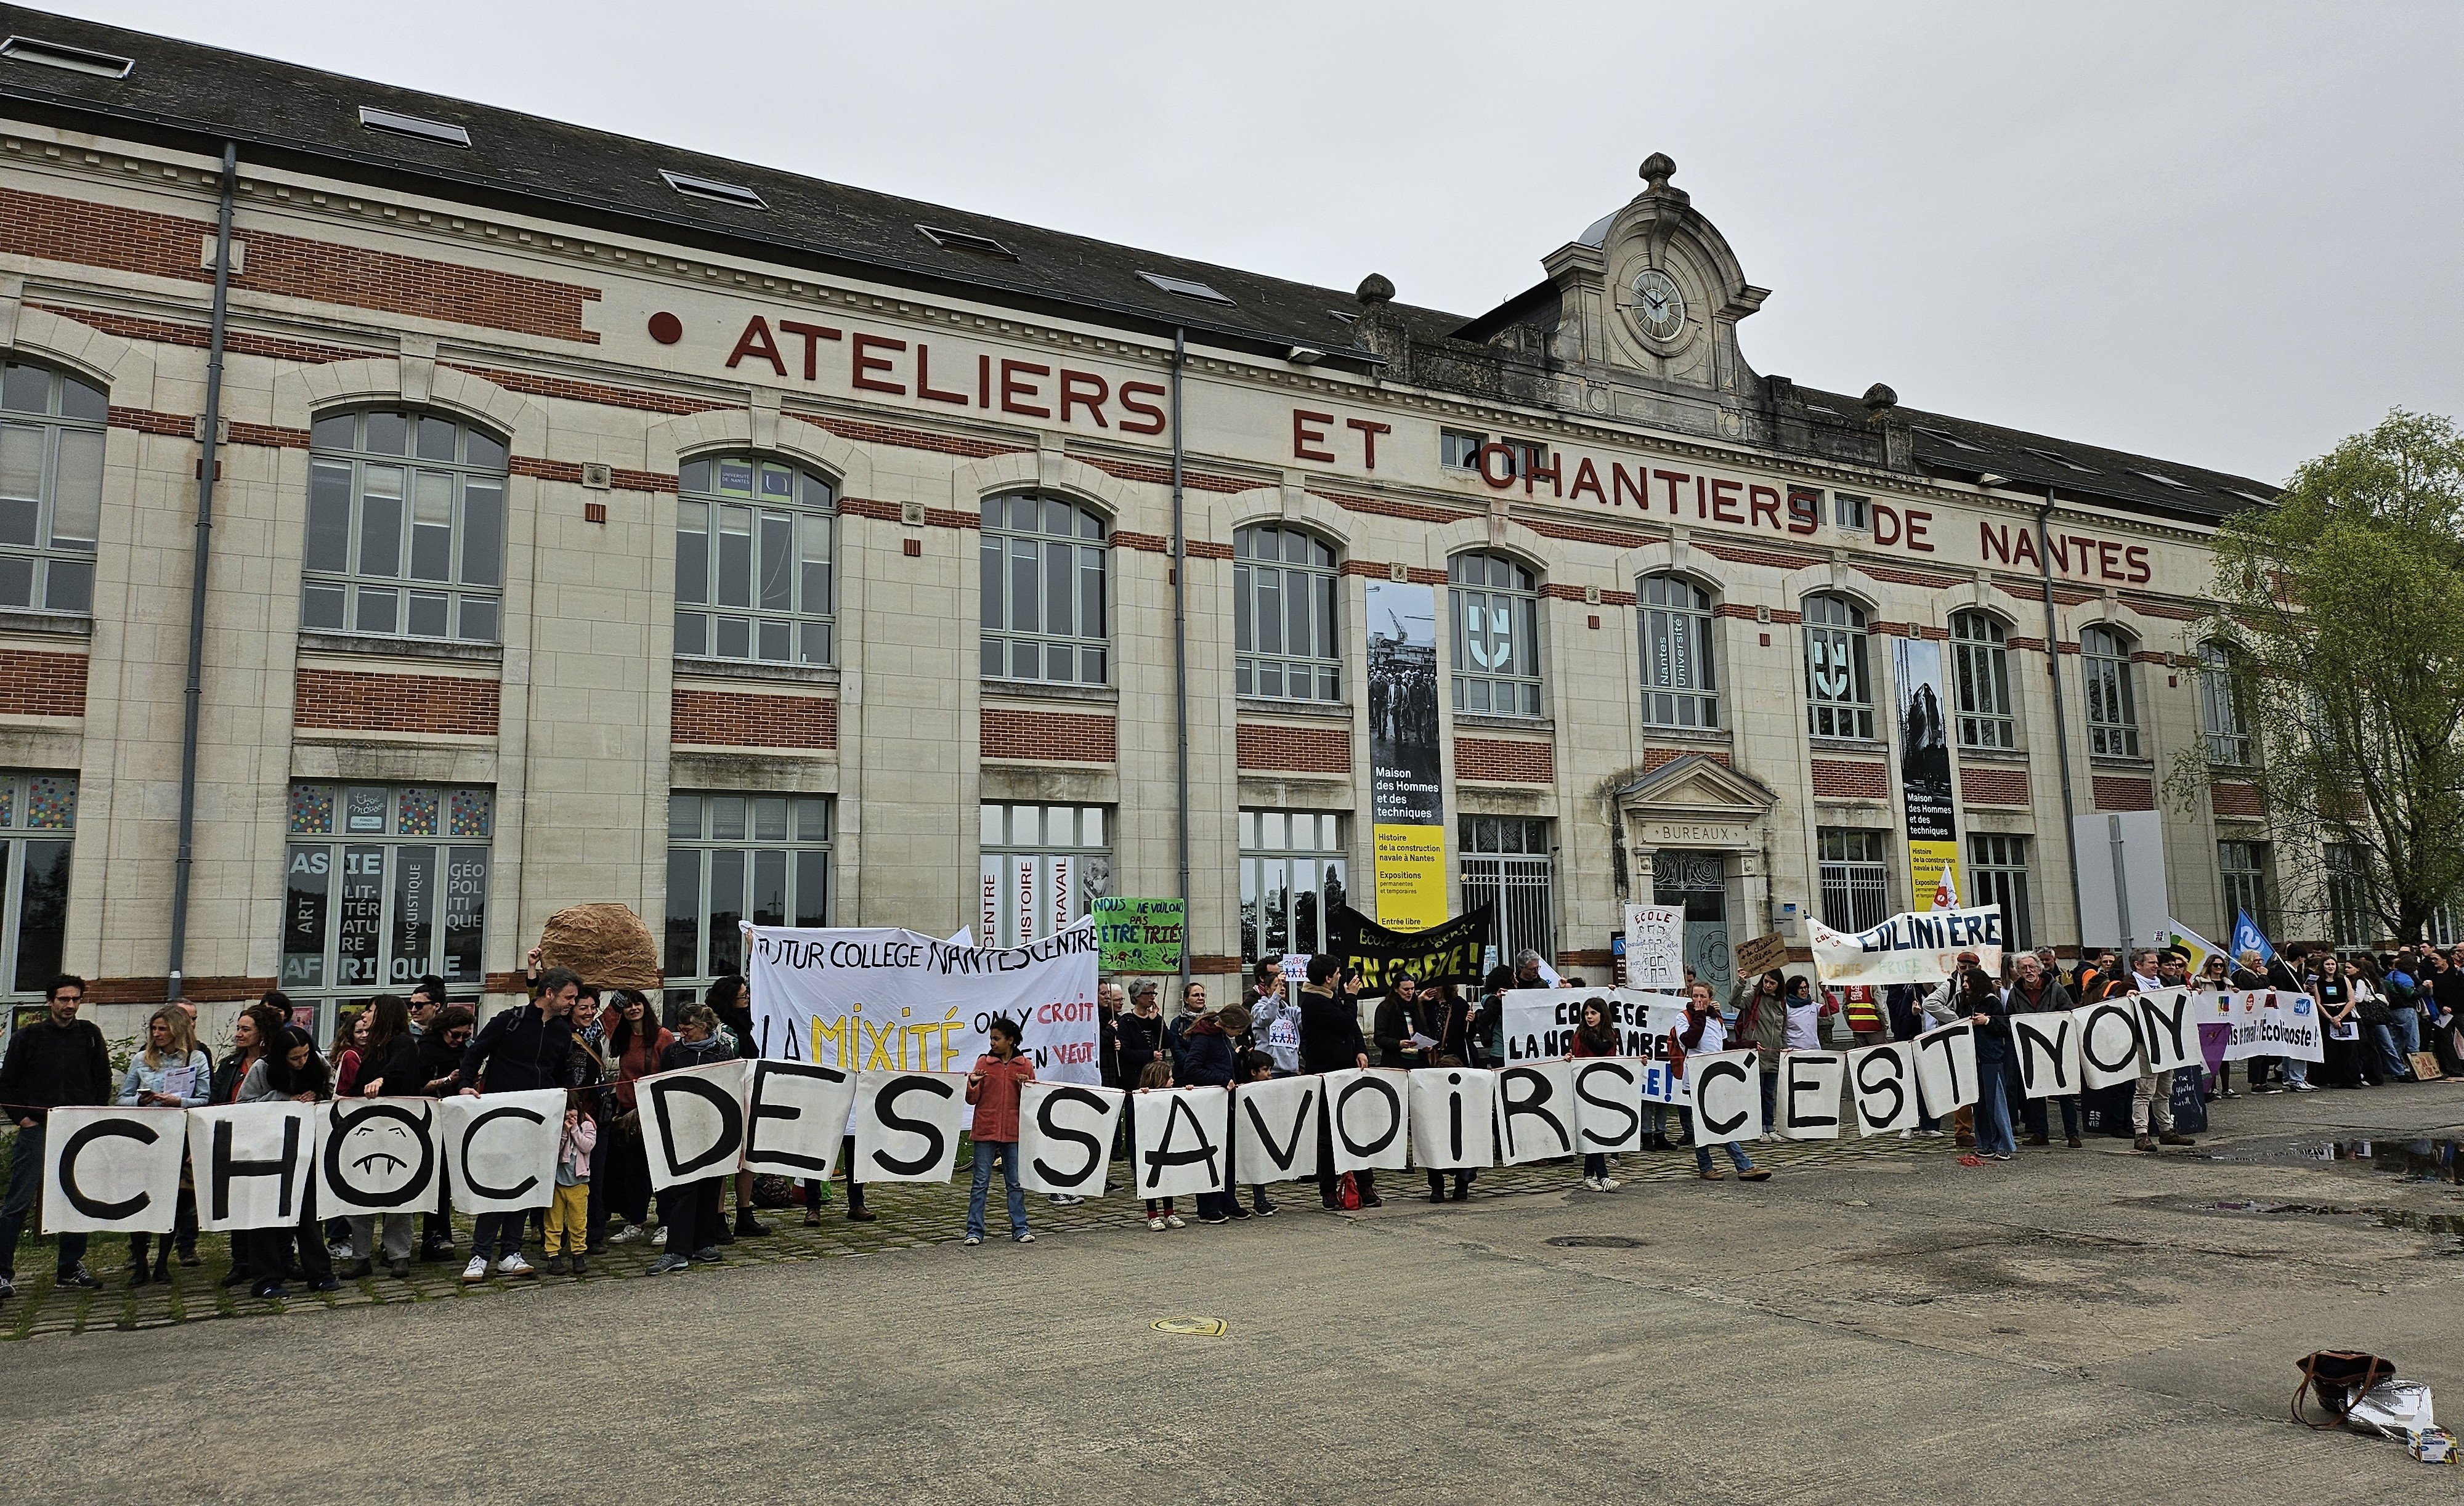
(1380, 507)
(2125, 794)
(171, 332)
(1294, 750)
(37, 684)
(1510, 759)
(1161, 475)
(2233, 797)
(1654, 757)
(358, 701)
(210, 990)
(1993, 785)
(734, 719)
(1844, 780)
(158, 245)
(604, 394)
(1381, 570)
(1049, 736)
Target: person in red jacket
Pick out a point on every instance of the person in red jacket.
(1596, 1037)
(993, 1088)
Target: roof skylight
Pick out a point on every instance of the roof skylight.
(966, 241)
(1186, 287)
(60, 54)
(393, 122)
(712, 188)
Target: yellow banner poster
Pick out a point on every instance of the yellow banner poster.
(1411, 877)
(1930, 864)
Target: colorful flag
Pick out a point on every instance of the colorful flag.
(2190, 943)
(2248, 937)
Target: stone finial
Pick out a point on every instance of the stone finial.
(1657, 169)
(1880, 399)
(1375, 289)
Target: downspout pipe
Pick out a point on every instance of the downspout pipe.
(2061, 717)
(192, 698)
(1180, 650)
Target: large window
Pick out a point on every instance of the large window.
(1679, 688)
(1283, 640)
(37, 822)
(753, 562)
(51, 487)
(2112, 711)
(405, 527)
(1496, 636)
(1044, 590)
(1043, 865)
(2243, 866)
(734, 857)
(2220, 709)
(384, 885)
(1997, 874)
(1981, 679)
(1855, 876)
(1838, 689)
(1292, 871)
(1507, 860)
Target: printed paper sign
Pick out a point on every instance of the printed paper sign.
(1274, 1132)
(1536, 1112)
(1947, 1068)
(693, 1122)
(1883, 1082)
(1608, 1096)
(1179, 1141)
(1655, 949)
(1366, 1113)
(114, 1169)
(501, 1148)
(2169, 1029)
(1727, 1096)
(2048, 1048)
(1139, 936)
(255, 1163)
(2109, 1042)
(796, 1118)
(1064, 1137)
(378, 1155)
(1809, 1094)
(1909, 949)
(1452, 1117)
(907, 1124)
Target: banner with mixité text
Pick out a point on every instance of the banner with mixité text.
(889, 1000)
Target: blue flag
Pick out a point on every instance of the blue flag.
(2248, 937)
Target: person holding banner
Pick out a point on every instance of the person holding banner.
(992, 1087)
(1701, 1033)
(2036, 992)
(169, 1073)
(1210, 1060)
(290, 1069)
(637, 1040)
(1595, 1037)
(1970, 995)
(2153, 1095)
(389, 1067)
(521, 1050)
(58, 1062)
(1330, 1042)
(690, 1209)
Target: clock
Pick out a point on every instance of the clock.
(1658, 307)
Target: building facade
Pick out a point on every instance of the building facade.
(727, 544)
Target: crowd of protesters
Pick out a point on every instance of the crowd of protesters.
(2381, 1012)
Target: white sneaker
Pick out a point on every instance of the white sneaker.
(1174, 1221)
(1926, 1134)
(1610, 1184)
(659, 1240)
(515, 1265)
(476, 1271)
(1027, 1238)
(626, 1235)
(974, 1239)
(1155, 1223)
(1064, 1200)
(1592, 1181)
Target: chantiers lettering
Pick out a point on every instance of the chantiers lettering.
(885, 363)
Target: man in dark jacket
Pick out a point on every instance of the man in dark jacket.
(519, 1050)
(1331, 1042)
(59, 1059)
(2036, 992)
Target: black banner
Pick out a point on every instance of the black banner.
(1446, 953)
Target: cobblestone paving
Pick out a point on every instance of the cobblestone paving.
(908, 1216)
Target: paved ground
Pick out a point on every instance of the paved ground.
(1873, 1323)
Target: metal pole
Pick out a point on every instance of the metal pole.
(2061, 720)
(193, 697)
(2121, 888)
(1181, 653)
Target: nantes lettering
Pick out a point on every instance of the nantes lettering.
(2073, 555)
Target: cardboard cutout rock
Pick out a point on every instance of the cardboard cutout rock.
(606, 943)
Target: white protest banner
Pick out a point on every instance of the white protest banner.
(1178, 1141)
(500, 1149)
(693, 1122)
(1726, 1089)
(112, 1169)
(2267, 1023)
(2048, 1048)
(1946, 1067)
(1539, 1025)
(1909, 949)
(796, 1118)
(1608, 1095)
(1535, 1112)
(1064, 1137)
(887, 1000)
(1453, 1122)
(2168, 1030)
(1809, 1094)
(1655, 948)
(907, 1124)
(1274, 1137)
(1365, 1109)
(378, 1155)
(1882, 1081)
(2109, 1042)
(255, 1163)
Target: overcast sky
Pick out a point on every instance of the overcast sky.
(2223, 233)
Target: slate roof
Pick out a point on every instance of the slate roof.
(194, 97)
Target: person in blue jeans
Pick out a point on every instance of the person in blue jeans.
(992, 1087)
(1701, 1033)
(57, 1061)
(1970, 995)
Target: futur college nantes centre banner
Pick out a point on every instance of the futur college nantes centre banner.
(1407, 814)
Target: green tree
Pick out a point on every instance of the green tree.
(2341, 611)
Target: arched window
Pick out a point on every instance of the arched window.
(1284, 641)
(405, 527)
(2112, 711)
(1981, 679)
(1044, 590)
(1680, 687)
(1496, 636)
(753, 561)
(2221, 707)
(1839, 689)
(51, 487)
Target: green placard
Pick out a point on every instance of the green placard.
(1141, 936)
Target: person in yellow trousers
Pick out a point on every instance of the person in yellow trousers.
(569, 1215)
